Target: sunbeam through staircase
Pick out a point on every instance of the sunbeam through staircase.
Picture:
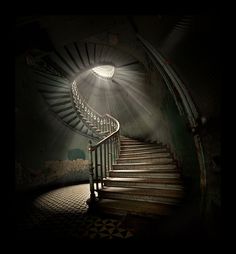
(127, 176)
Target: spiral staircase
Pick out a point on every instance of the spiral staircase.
(127, 176)
(143, 181)
(58, 76)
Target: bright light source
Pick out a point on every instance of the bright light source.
(104, 71)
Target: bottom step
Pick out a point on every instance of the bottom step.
(141, 208)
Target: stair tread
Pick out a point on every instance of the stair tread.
(151, 151)
(139, 145)
(147, 156)
(161, 196)
(140, 149)
(135, 207)
(154, 155)
(143, 180)
(144, 191)
(161, 160)
(134, 143)
(144, 164)
(168, 174)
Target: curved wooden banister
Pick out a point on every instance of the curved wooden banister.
(102, 156)
(104, 153)
(100, 125)
(92, 148)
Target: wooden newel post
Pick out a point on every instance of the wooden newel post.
(92, 195)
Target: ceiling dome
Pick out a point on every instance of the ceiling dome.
(104, 71)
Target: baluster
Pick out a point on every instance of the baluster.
(88, 114)
(118, 143)
(115, 149)
(106, 121)
(101, 166)
(108, 124)
(91, 181)
(105, 160)
(108, 130)
(97, 122)
(112, 126)
(112, 156)
(94, 120)
(96, 168)
(85, 112)
(84, 108)
(108, 155)
(99, 126)
(92, 117)
(105, 124)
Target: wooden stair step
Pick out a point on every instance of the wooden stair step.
(140, 149)
(139, 182)
(143, 165)
(140, 146)
(145, 156)
(145, 194)
(144, 181)
(155, 160)
(141, 208)
(147, 173)
(134, 143)
(150, 151)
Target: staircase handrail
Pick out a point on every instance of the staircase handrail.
(102, 155)
(101, 125)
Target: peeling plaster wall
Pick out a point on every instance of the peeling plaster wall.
(53, 173)
(39, 135)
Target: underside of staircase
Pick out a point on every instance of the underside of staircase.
(144, 181)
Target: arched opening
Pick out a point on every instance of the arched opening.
(104, 71)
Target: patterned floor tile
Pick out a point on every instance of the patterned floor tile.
(64, 211)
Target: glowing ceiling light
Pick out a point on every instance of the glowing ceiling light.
(104, 71)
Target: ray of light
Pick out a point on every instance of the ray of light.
(104, 71)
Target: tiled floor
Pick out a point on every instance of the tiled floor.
(63, 213)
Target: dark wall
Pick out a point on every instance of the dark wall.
(192, 48)
(31, 35)
(172, 129)
(41, 138)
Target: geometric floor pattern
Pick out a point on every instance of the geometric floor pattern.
(64, 212)
(70, 199)
(94, 227)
